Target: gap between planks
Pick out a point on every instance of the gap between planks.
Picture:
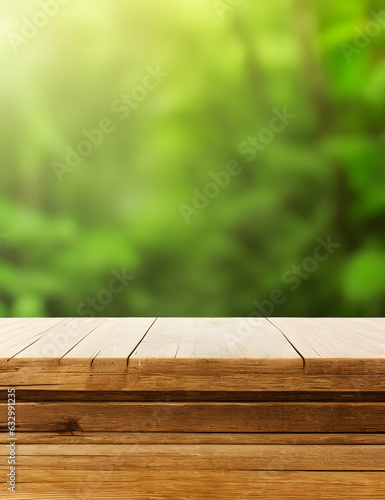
(292, 345)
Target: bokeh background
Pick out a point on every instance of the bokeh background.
(228, 68)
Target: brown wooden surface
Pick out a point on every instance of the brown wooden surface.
(201, 417)
(78, 437)
(337, 345)
(222, 354)
(189, 408)
(120, 457)
(198, 485)
(179, 377)
(216, 338)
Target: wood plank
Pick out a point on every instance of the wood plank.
(9, 324)
(335, 345)
(216, 338)
(80, 438)
(240, 485)
(200, 417)
(189, 354)
(110, 345)
(53, 344)
(9, 329)
(195, 457)
(180, 377)
(17, 336)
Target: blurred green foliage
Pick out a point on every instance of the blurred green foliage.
(120, 208)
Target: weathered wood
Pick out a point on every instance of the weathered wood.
(109, 346)
(183, 485)
(216, 338)
(49, 346)
(16, 336)
(337, 345)
(197, 457)
(195, 408)
(193, 354)
(80, 438)
(201, 417)
(179, 377)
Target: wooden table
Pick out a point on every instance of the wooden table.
(200, 408)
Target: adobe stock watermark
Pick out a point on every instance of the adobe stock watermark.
(265, 136)
(219, 180)
(95, 305)
(12, 440)
(222, 7)
(249, 148)
(88, 309)
(63, 339)
(122, 107)
(297, 274)
(293, 277)
(30, 27)
(364, 36)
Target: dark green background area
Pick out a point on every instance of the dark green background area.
(322, 176)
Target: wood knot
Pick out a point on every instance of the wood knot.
(72, 426)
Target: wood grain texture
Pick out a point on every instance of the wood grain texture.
(195, 408)
(201, 417)
(351, 345)
(198, 485)
(42, 346)
(109, 345)
(120, 457)
(193, 354)
(179, 377)
(181, 438)
(9, 324)
(215, 338)
(18, 335)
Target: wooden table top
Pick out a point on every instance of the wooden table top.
(193, 354)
